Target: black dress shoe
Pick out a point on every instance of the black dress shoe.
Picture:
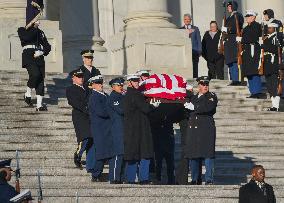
(272, 109)
(96, 179)
(42, 108)
(115, 182)
(77, 161)
(28, 101)
(146, 182)
(195, 183)
(209, 183)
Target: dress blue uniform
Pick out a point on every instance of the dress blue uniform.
(6, 191)
(117, 131)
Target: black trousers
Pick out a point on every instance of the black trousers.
(164, 148)
(272, 84)
(36, 78)
(195, 61)
(216, 69)
(183, 165)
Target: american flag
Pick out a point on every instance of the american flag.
(164, 86)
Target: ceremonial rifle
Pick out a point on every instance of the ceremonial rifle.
(261, 64)
(34, 4)
(221, 48)
(39, 191)
(239, 46)
(17, 172)
(77, 197)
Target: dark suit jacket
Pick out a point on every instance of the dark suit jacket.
(251, 193)
(195, 39)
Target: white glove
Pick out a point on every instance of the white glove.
(189, 87)
(238, 39)
(260, 41)
(155, 102)
(224, 29)
(189, 106)
(38, 53)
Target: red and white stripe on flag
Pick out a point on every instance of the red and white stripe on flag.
(164, 86)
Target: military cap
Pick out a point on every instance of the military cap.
(250, 13)
(5, 163)
(234, 5)
(145, 73)
(203, 80)
(133, 77)
(87, 53)
(98, 79)
(275, 25)
(116, 81)
(269, 13)
(78, 73)
(24, 195)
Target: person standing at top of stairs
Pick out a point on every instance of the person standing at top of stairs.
(35, 47)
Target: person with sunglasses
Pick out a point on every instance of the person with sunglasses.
(201, 131)
(6, 191)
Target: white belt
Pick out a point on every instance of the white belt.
(32, 47)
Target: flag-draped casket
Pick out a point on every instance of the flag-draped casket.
(171, 89)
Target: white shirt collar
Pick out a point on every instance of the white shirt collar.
(89, 68)
(79, 86)
(100, 92)
(199, 95)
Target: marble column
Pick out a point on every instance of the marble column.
(79, 21)
(147, 13)
(149, 41)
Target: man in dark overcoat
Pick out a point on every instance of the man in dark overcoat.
(6, 191)
(251, 53)
(77, 98)
(138, 141)
(230, 43)
(117, 128)
(201, 132)
(257, 191)
(35, 47)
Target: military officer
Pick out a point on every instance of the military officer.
(230, 43)
(271, 45)
(251, 53)
(117, 130)
(100, 128)
(138, 141)
(77, 98)
(201, 131)
(35, 47)
(257, 191)
(88, 69)
(6, 191)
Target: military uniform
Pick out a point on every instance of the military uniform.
(254, 192)
(251, 54)
(77, 98)
(271, 67)
(35, 47)
(6, 191)
(230, 43)
(117, 131)
(201, 133)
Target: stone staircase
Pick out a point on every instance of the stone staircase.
(246, 135)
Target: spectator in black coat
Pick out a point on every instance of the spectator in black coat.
(257, 191)
(215, 61)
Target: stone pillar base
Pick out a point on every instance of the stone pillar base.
(163, 50)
